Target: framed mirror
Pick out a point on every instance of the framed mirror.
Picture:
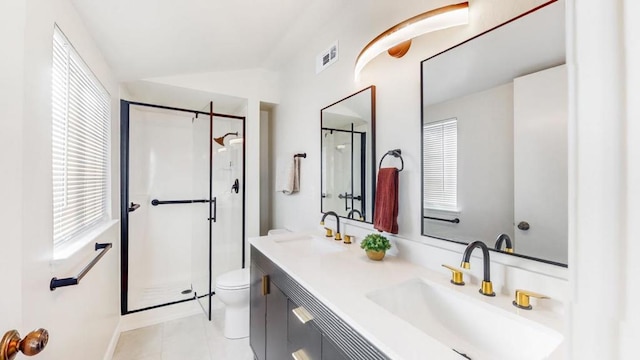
(494, 138)
(347, 130)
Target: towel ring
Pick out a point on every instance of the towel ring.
(397, 153)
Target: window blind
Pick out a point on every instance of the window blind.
(440, 164)
(81, 114)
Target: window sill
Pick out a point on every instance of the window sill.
(66, 251)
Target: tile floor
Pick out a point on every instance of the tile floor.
(191, 338)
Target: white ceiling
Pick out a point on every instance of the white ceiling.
(151, 38)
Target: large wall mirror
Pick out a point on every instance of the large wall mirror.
(494, 138)
(348, 169)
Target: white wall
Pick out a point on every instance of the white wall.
(265, 188)
(604, 178)
(89, 311)
(12, 23)
(485, 165)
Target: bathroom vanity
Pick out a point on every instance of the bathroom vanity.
(316, 298)
(282, 327)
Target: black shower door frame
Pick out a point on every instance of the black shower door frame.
(124, 200)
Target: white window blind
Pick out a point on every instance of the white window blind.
(440, 161)
(81, 115)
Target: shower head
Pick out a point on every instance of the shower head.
(220, 140)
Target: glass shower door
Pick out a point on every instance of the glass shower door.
(228, 189)
(168, 177)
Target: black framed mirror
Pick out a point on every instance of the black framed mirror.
(494, 138)
(347, 131)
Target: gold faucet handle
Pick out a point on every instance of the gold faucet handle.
(329, 232)
(347, 239)
(456, 275)
(523, 297)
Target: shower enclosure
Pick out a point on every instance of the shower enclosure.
(182, 198)
(343, 185)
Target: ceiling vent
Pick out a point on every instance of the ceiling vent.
(327, 58)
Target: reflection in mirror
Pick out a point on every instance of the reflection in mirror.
(347, 138)
(494, 139)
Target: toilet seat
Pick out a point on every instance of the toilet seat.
(233, 280)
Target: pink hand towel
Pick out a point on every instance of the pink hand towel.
(386, 211)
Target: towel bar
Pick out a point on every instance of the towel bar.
(56, 283)
(397, 153)
(455, 221)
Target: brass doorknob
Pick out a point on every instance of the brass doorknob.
(32, 344)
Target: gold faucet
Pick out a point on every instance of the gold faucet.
(456, 275)
(487, 287)
(508, 244)
(338, 236)
(522, 299)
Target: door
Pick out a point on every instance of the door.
(540, 169)
(11, 113)
(168, 177)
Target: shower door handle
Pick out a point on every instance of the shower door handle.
(215, 210)
(236, 186)
(133, 207)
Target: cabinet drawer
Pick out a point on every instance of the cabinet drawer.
(302, 335)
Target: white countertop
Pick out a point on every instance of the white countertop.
(341, 281)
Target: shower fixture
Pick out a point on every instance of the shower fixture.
(220, 140)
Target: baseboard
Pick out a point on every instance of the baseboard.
(114, 342)
(159, 315)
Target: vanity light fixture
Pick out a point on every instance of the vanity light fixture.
(397, 39)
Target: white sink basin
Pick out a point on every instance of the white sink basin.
(471, 327)
(309, 245)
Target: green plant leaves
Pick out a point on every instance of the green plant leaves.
(375, 242)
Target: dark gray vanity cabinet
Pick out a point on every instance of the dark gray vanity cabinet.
(268, 317)
(330, 351)
(277, 324)
(257, 313)
(302, 335)
(288, 322)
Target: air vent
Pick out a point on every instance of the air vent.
(327, 58)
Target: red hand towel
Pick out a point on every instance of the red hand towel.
(386, 212)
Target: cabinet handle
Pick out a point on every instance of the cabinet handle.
(265, 285)
(300, 355)
(302, 314)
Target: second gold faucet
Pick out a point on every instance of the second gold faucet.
(338, 236)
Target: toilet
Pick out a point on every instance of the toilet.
(232, 289)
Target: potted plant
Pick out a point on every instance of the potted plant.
(376, 246)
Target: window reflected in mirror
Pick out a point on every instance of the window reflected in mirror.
(494, 139)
